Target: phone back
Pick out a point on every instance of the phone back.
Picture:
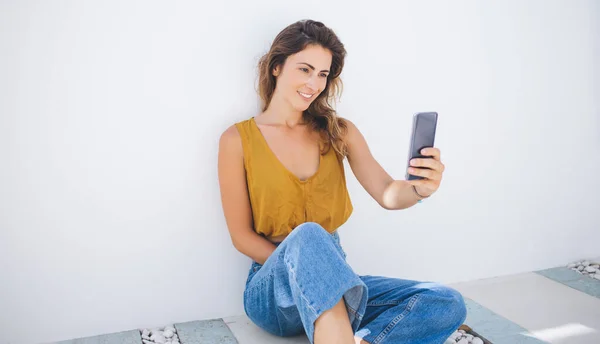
(423, 135)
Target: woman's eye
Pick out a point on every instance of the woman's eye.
(306, 71)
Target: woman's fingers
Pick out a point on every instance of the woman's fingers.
(432, 152)
(426, 173)
(428, 163)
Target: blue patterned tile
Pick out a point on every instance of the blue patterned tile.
(125, 337)
(586, 285)
(575, 280)
(206, 331)
(560, 274)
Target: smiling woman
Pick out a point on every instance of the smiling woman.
(284, 195)
(291, 63)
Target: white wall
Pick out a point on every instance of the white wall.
(110, 114)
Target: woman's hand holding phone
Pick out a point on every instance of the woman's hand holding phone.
(430, 169)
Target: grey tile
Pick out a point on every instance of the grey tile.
(205, 332)
(494, 327)
(125, 337)
(518, 339)
(570, 333)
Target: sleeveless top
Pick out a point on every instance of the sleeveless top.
(281, 201)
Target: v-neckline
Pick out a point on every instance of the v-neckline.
(268, 148)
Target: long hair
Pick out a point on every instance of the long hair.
(320, 115)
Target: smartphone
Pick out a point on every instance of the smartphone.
(423, 136)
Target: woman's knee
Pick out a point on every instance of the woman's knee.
(313, 241)
(445, 304)
(307, 231)
(452, 304)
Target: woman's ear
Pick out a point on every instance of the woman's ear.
(276, 71)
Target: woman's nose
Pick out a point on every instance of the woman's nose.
(311, 84)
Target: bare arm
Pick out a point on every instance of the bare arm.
(389, 193)
(235, 199)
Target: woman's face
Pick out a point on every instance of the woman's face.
(303, 76)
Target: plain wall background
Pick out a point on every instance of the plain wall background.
(111, 111)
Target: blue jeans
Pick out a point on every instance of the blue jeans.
(308, 274)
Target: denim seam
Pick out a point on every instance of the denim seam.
(383, 303)
(411, 303)
(293, 274)
(352, 310)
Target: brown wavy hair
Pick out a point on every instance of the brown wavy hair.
(320, 115)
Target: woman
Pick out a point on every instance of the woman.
(284, 196)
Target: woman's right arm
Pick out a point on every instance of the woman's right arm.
(235, 199)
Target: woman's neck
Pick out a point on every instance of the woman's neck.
(284, 114)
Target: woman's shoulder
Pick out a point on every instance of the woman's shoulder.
(233, 131)
(231, 138)
(350, 128)
(230, 141)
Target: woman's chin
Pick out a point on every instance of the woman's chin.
(304, 105)
(301, 107)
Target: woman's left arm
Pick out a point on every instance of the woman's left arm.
(389, 193)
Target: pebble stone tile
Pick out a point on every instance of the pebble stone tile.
(213, 331)
(160, 335)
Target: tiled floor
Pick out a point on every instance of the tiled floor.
(550, 306)
(549, 310)
(497, 329)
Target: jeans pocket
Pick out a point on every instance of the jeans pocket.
(253, 270)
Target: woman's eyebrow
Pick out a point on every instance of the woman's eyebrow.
(313, 68)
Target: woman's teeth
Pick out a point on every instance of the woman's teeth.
(305, 95)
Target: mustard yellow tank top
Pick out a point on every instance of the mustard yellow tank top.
(281, 201)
